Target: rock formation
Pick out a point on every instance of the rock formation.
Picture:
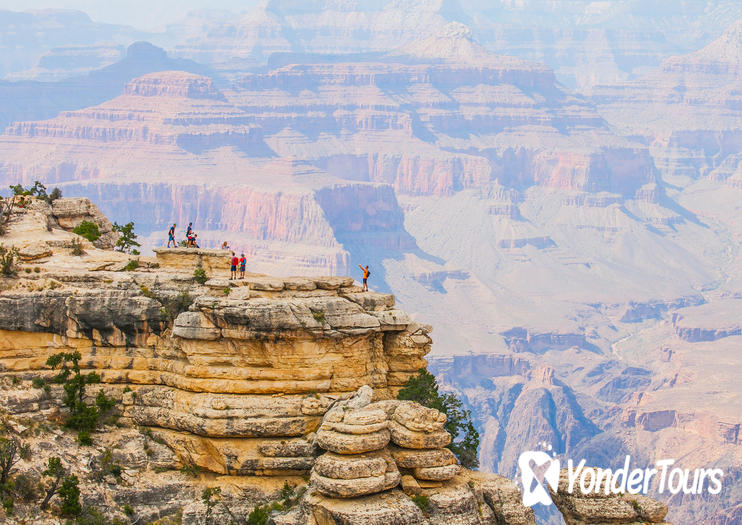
(598, 508)
(246, 382)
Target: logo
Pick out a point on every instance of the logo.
(540, 470)
(536, 462)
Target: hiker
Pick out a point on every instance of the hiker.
(366, 273)
(235, 261)
(243, 263)
(171, 236)
(194, 241)
(189, 233)
(225, 245)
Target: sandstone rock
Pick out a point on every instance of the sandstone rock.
(352, 444)
(344, 428)
(364, 415)
(392, 319)
(70, 212)
(504, 497)
(388, 406)
(219, 284)
(371, 301)
(338, 466)
(267, 284)
(392, 508)
(443, 473)
(286, 448)
(332, 283)
(410, 486)
(407, 438)
(34, 251)
(418, 418)
(299, 284)
(409, 458)
(195, 325)
(347, 488)
(648, 509)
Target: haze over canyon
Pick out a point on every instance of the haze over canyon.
(555, 187)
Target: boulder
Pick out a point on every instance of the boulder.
(418, 418)
(352, 443)
(407, 438)
(408, 458)
(338, 466)
(443, 473)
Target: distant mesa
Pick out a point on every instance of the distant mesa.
(145, 51)
(173, 84)
(455, 42)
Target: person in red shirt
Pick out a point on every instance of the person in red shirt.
(235, 261)
(243, 263)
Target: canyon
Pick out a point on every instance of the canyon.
(577, 252)
(247, 385)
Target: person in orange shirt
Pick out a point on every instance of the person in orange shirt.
(366, 273)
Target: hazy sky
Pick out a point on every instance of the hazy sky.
(144, 14)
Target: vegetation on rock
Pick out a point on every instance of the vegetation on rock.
(199, 275)
(82, 417)
(127, 241)
(423, 388)
(88, 230)
(8, 257)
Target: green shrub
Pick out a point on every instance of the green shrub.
(259, 515)
(127, 238)
(54, 195)
(77, 250)
(132, 265)
(199, 275)
(8, 257)
(175, 306)
(8, 505)
(128, 510)
(210, 497)
(319, 316)
(69, 493)
(191, 469)
(423, 388)
(422, 502)
(25, 488)
(82, 417)
(88, 230)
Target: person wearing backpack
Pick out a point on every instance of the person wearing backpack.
(366, 273)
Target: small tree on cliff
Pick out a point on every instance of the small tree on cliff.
(423, 388)
(127, 241)
(82, 417)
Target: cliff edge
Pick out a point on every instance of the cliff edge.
(276, 396)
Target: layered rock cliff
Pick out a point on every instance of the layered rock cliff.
(245, 384)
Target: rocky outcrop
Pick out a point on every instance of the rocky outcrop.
(70, 212)
(598, 507)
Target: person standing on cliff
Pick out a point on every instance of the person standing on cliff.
(366, 273)
(189, 232)
(243, 263)
(171, 236)
(235, 261)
